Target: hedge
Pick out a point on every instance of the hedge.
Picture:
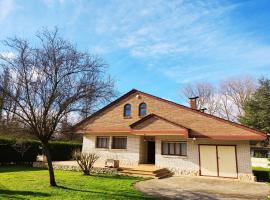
(63, 150)
(262, 175)
(10, 152)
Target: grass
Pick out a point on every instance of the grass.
(260, 169)
(33, 183)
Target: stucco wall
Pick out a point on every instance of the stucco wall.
(127, 157)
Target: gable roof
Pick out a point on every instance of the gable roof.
(169, 127)
(147, 117)
(134, 91)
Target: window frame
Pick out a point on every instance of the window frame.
(124, 110)
(113, 140)
(103, 137)
(168, 150)
(143, 103)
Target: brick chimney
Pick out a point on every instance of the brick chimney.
(203, 110)
(193, 102)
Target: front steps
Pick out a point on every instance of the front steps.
(145, 172)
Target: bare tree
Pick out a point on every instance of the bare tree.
(226, 107)
(54, 79)
(226, 100)
(206, 93)
(237, 91)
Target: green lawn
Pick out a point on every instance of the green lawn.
(260, 169)
(32, 183)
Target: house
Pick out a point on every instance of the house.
(140, 128)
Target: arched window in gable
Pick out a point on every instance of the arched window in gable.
(142, 109)
(127, 110)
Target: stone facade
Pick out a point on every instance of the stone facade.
(95, 170)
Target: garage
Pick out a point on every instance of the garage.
(218, 160)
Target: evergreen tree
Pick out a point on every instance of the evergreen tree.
(257, 109)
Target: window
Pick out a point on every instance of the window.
(174, 148)
(119, 142)
(102, 142)
(142, 109)
(127, 110)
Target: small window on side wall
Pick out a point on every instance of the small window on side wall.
(142, 109)
(127, 110)
(102, 142)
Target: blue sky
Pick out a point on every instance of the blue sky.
(155, 46)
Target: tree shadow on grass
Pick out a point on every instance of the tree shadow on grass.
(11, 194)
(18, 169)
(116, 176)
(110, 193)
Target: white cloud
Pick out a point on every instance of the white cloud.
(184, 40)
(6, 8)
(7, 55)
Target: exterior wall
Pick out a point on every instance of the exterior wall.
(181, 165)
(126, 157)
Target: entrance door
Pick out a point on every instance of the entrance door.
(218, 160)
(151, 152)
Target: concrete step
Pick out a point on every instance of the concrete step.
(160, 173)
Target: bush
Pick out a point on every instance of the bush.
(25, 151)
(86, 161)
(262, 175)
(12, 151)
(61, 151)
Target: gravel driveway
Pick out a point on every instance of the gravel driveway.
(191, 188)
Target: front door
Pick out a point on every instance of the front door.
(151, 152)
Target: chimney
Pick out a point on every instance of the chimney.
(203, 110)
(193, 102)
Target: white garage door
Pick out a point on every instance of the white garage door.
(218, 160)
(208, 158)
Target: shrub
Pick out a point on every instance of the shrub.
(262, 174)
(85, 161)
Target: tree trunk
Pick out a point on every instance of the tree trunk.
(49, 161)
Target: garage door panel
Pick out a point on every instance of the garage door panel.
(227, 161)
(208, 160)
